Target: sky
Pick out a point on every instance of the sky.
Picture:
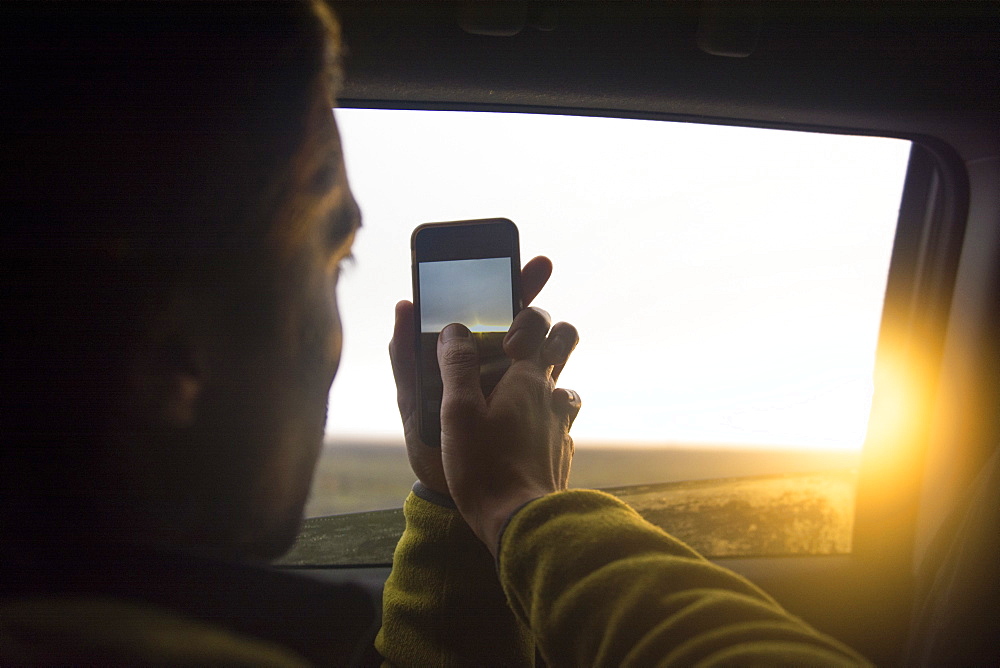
(475, 293)
(727, 282)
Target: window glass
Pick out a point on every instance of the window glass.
(727, 284)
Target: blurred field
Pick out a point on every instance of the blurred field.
(354, 477)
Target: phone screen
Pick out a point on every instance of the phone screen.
(475, 293)
(463, 273)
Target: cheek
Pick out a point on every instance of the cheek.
(325, 341)
(336, 338)
(326, 319)
(313, 330)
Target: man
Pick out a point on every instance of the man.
(177, 217)
(174, 229)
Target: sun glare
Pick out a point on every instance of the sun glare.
(896, 418)
(727, 282)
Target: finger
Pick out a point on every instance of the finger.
(527, 333)
(403, 358)
(561, 342)
(567, 404)
(459, 362)
(534, 275)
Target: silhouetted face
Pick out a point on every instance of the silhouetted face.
(273, 350)
(176, 243)
(281, 385)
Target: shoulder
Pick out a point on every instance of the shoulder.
(101, 630)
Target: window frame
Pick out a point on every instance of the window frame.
(922, 271)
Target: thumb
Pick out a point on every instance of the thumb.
(458, 359)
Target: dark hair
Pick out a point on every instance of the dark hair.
(141, 142)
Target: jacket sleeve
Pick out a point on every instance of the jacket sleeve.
(442, 603)
(600, 586)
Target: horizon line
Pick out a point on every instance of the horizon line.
(332, 442)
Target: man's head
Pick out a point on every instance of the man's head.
(177, 217)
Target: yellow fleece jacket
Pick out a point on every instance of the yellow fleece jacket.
(591, 583)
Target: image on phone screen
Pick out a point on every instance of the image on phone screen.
(475, 293)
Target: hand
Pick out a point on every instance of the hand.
(425, 460)
(501, 451)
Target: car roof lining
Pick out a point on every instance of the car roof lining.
(888, 68)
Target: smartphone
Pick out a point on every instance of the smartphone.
(468, 272)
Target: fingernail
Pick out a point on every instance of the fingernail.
(511, 336)
(454, 331)
(556, 350)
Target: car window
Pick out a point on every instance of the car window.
(727, 283)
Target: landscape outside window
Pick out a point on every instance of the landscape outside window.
(727, 284)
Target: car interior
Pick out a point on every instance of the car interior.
(918, 559)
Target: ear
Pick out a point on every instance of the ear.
(178, 398)
(168, 384)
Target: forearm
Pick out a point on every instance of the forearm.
(600, 586)
(442, 603)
